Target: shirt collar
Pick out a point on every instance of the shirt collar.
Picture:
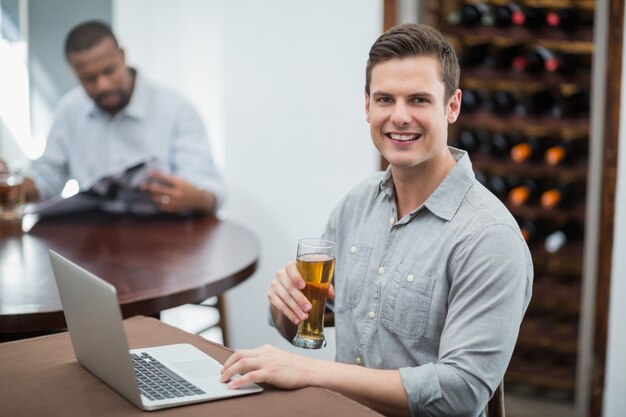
(138, 104)
(448, 196)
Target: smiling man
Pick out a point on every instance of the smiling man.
(432, 274)
(118, 118)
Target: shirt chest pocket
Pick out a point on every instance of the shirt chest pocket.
(406, 304)
(350, 275)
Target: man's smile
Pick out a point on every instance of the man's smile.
(403, 137)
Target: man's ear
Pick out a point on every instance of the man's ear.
(367, 107)
(454, 106)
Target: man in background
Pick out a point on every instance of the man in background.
(117, 119)
(432, 275)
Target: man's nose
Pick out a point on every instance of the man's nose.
(103, 84)
(401, 115)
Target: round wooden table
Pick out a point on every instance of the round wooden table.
(155, 262)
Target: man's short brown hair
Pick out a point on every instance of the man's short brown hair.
(410, 40)
(87, 35)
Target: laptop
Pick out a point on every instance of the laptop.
(151, 378)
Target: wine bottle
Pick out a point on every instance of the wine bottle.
(530, 17)
(467, 15)
(569, 18)
(573, 105)
(501, 185)
(525, 193)
(567, 152)
(500, 102)
(501, 143)
(471, 99)
(533, 229)
(570, 232)
(536, 59)
(536, 104)
(567, 63)
(531, 149)
(499, 15)
(468, 140)
(473, 55)
(562, 194)
(502, 57)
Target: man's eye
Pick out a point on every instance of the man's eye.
(384, 100)
(420, 100)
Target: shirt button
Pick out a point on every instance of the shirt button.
(371, 314)
(353, 249)
(410, 278)
(381, 270)
(357, 360)
(392, 220)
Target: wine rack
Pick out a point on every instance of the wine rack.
(526, 80)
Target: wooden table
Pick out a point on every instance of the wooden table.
(40, 377)
(155, 262)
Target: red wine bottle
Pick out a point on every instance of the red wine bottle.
(501, 57)
(530, 17)
(471, 99)
(569, 18)
(567, 152)
(500, 143)
(536, 59)
(499, 15)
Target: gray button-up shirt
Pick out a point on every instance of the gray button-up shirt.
(438, 294)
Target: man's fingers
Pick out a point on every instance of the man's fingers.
(291, 298)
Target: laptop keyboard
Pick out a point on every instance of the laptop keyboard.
(158, 382)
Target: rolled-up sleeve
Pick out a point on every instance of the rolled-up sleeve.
(489, 293)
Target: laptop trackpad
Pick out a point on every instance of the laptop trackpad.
(199, 368)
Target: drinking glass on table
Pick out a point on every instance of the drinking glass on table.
(12, 198)
(316, 264)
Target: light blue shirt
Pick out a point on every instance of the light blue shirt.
(438, 294)
(86, 143)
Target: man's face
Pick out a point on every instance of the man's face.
(407, 113)
(103, 73)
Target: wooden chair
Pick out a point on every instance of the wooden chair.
(495, 406)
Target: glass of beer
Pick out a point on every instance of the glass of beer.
(316, 264)
(12, 197)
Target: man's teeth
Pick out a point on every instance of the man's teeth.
(404, 136)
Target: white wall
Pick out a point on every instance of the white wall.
(281, 82)
(615, 381)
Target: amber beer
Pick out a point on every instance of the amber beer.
(317, 271)
(11, 196)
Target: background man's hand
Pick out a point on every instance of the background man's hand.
(172, 194)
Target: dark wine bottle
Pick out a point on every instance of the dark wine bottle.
(471, 99)
(531, 149)
(562, 194)
(500, 102)
(468, 140)
(573, 105)
(499, 15)
(525, 193)
(502, 57)
(569, 18)
(467, 15)
(501, 185)
(500, 143)
(567, 152)
(567, 63)
(530, 17)
(570, 232)
(536, 104)
(536, 59)
(532, 230)
(474, 55)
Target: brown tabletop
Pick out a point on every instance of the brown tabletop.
(40, 377)
(155, 262)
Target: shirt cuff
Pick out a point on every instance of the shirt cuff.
(421, 385)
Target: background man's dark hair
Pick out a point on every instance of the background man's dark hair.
(410, 40)
(87, 35)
